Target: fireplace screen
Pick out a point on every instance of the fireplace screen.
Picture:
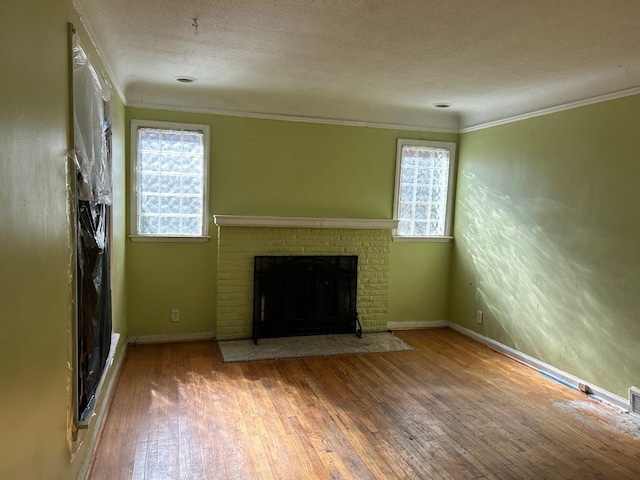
(305, 295)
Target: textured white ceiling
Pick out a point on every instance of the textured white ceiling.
(376, 61)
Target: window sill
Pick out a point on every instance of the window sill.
(168, 238)
(399, 238)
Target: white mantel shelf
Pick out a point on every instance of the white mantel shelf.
(304, 222)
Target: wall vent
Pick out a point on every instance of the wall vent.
(634, 400)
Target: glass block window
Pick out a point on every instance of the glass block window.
(424, 187)
(170, 177)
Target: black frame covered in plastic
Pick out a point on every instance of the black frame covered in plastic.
(92, 195)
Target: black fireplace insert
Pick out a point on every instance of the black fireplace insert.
(305, 295)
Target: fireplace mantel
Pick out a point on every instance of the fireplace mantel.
(304, 222)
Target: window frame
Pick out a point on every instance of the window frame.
(451, 146)
(144, 237)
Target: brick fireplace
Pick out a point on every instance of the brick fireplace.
(241, 238)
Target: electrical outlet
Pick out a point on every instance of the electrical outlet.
(175, 315)
(479, 317)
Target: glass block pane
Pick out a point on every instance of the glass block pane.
(149, 161)
(406, 211)
(434, 213)
(191, 205)
(433, 228)
(406, 193)
(149, 204)
(404, 227)
(192, 164)
(192, 142)
(170, 184)
(424, 163)
(149, 139)
(422, 194)
(192, 185)
(409, 156)
(149, 183)
(170, 205)
(169, 225)
(442, 161)
(413, 161)
(148, 224)
(407, 175)
(429, 177)
(420, 228)
(420, 212)
(170, 142)
(191, 225)
(171, 162)
(423, 175)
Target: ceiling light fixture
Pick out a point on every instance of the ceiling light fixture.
(185, 79)
(442, 105)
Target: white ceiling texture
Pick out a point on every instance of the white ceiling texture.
(378, 62)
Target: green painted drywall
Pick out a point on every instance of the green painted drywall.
(419, 281)
(34, 242)
(162, 276)
(547, 232)
(270, 167)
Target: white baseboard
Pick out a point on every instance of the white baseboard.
(412, 325)
(181, 337)
(544, 368)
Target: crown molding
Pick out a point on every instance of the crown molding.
(558, 108)
(291, 118)
(79, 7)
(390, 126)
(77, 4)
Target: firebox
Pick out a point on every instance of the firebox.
(304, 295)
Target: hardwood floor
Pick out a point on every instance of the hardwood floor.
(451, 409)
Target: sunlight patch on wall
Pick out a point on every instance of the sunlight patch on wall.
(540, 270)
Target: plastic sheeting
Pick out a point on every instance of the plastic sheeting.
(91, 125)
(92, 158)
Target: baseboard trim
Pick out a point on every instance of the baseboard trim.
(181, 337)
(417, 324)
(100, 416)
(545, 369)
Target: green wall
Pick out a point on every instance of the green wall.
(419, 281)
(35, 345)
(547, 232)
(271, 167)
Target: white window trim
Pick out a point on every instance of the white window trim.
(451, 146)
(418, 239)
(134, 235)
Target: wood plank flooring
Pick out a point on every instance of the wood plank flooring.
(451, 409)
